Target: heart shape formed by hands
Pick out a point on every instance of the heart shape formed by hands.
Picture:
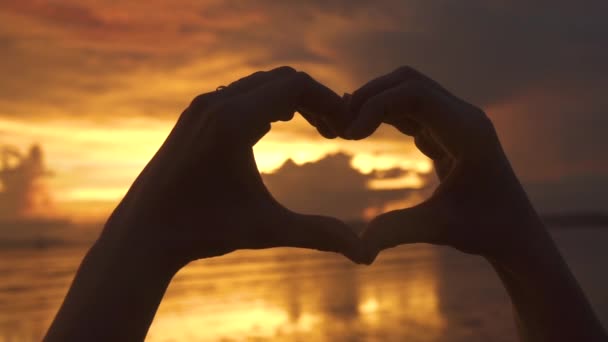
(202, 195)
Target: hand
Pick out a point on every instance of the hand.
(479, 206)
(202, 195)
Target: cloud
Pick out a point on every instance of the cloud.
(551, 133)
(21, 192)
(537, 68)
(486, 50)
(331, 186)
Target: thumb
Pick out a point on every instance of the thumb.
(404, 226)
(325, 234)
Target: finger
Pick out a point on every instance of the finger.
(279, 99)
(183, 129)
(416, 100)
(324, 234)
(390, 80)
(193, 113)
(443, 167)
(320, 102)
(374, 87)
(324, 129)
(256, 79)
(366, 123)
(330, 112)
(405, 226)
(242, 85)
(405, 125)
(401, 75)
(428, 146)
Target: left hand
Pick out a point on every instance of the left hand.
(479, 206)
(202, 195)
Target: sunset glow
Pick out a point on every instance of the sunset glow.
(96, 162)
(99, 85)
(351, 240)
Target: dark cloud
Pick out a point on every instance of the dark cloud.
(552, 133)
(486, 52)
(56, 78)
(331, 186)
(71, 15)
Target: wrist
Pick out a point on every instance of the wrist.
(531, 250)
(114, 295)
(138, 254)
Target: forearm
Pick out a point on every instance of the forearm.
(114, 295)
(548, 301)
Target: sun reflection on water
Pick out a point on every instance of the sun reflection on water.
(258, 320)
(288, 294)
(404, 300)
(369, 306)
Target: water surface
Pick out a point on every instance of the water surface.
(413, 293)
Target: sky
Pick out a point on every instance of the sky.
(99, 84)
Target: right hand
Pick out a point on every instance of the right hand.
(202, 195)
(479, 206)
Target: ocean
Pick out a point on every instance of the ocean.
(411, 293)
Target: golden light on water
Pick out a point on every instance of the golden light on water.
(369, 306)
(282, 294)
(415, 299)
(254, 319)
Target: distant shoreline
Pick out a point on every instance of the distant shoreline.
(576, 220)
(558, 220)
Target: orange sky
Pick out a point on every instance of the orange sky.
(96, 162)
(99, 121)
(100, 84)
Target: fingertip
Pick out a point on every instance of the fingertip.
(355, 249)
(357, 132)
(348, 134)
(328, 135)
(366, 122)
(328, 234)
(285, 69)
(370, 255)
(320, 124)
(347, 98)
(358, 259)
(372, 249)
(325, 130)
(360, 254)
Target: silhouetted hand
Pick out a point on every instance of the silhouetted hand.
(202, 195)
(479, 206)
